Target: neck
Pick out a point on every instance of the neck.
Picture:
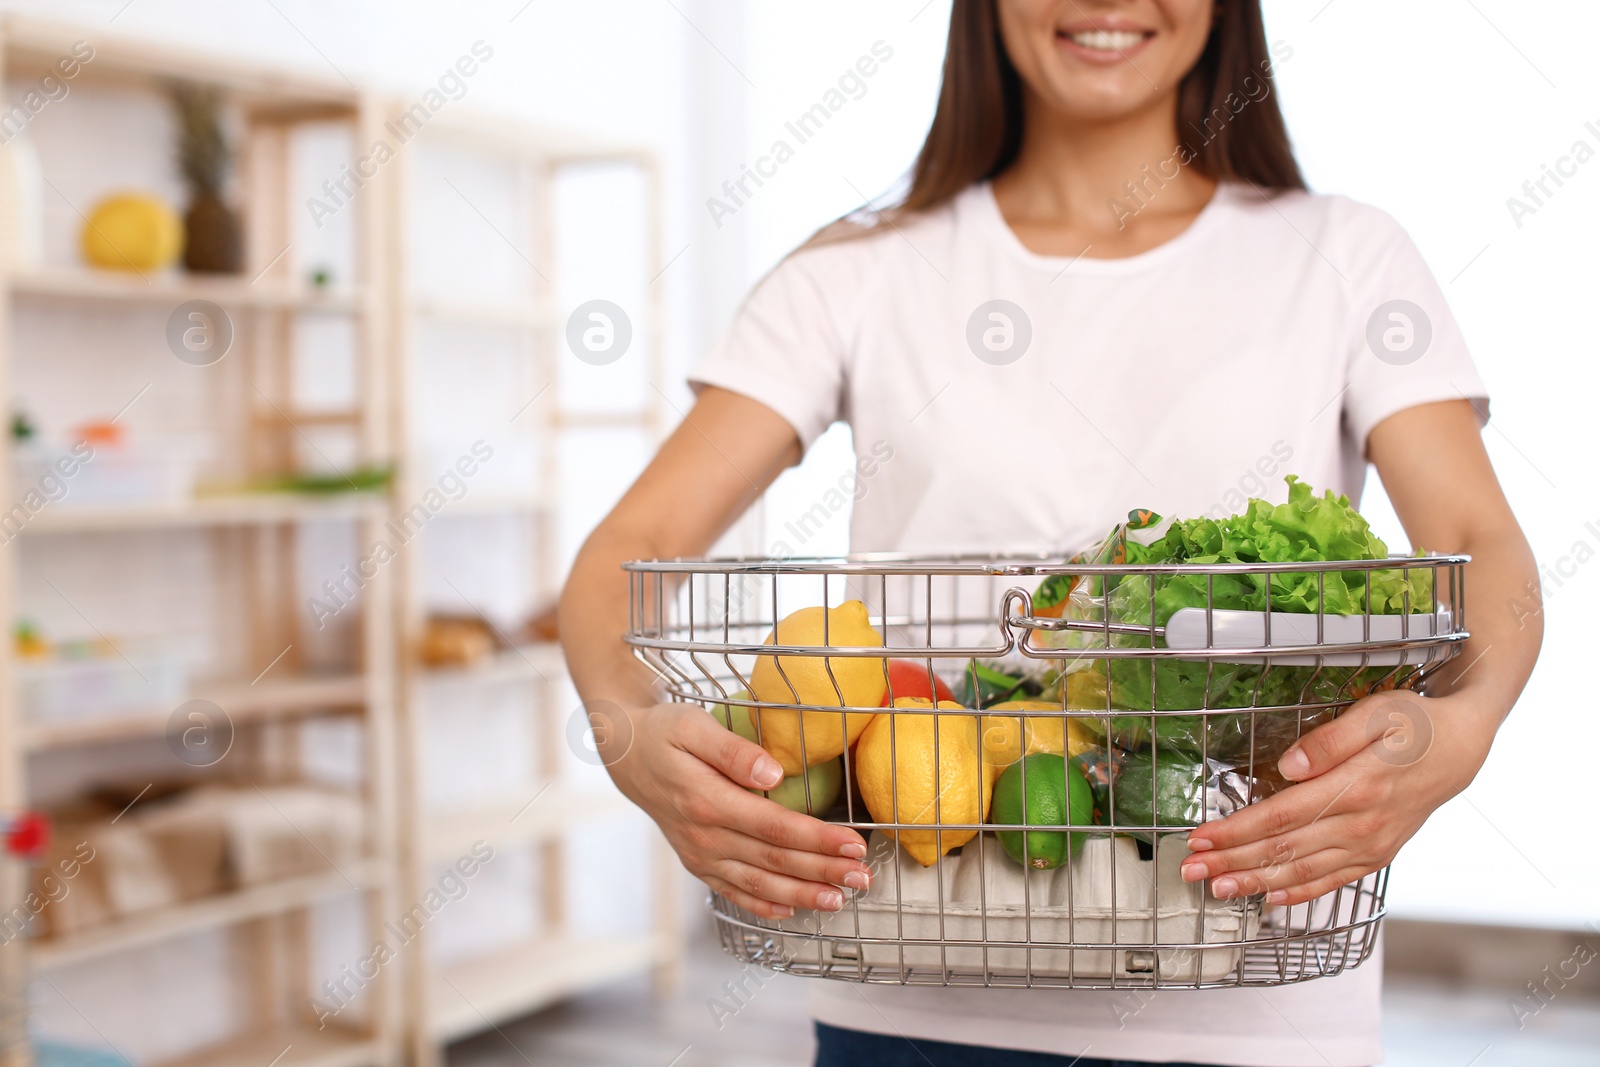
(1070, 168)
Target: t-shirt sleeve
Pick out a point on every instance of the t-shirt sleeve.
(1406, 348)
(783, 349)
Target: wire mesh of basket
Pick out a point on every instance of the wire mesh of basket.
(1142, 701)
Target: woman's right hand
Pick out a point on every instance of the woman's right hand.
(690, 774)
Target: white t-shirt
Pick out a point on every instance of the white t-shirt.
(1263, 340)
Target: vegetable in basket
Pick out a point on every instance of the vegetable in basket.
(985, 683)
(909, 678)
(1172, 789)
(1308, 528)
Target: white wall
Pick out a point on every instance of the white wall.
(1438, 112)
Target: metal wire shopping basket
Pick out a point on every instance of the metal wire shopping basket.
(1170, 702)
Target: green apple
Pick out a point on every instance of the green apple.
(736, 718)
(825, 779)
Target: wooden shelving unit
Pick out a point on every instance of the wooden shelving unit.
(270, 693)
(451, 1001)
(82, 286)
(252, 535)
(246, 702)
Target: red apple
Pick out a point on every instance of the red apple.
(909, 678)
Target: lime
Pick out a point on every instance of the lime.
(1056, 795)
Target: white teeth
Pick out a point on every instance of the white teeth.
(1108, 40)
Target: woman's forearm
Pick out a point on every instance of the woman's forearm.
(688, 772)
(593, 620)
(688, 496)
(1485, 679)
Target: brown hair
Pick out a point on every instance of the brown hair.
(977, 128)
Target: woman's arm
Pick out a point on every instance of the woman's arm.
(1369, 779)
(674, 760)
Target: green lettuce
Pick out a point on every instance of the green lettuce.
(1307, 528)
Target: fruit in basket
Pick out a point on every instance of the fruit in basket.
(1166, 790)
(736, 717)
(798, 739)
(909, 678)
(1003, 735)
(1042, 789)
(823, 781)
(902, 782)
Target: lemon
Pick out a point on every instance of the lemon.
(1003, 735)
(902, 782)
(797, 739)
(132, 232)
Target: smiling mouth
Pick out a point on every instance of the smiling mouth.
(1109, 41)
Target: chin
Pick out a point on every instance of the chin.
(1099, 98)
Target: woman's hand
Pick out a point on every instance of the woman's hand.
(689, 774)
(1364, 784)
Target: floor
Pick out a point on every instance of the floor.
(1426, 1025)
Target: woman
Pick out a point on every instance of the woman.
(1105, 288)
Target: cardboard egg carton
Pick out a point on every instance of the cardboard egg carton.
(980, 913)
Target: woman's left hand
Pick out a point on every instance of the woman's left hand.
(1364, 784)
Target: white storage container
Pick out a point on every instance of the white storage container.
(60, 690)
(142, 472)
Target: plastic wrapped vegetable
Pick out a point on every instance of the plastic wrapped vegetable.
(1307, 528)
(1174, 789)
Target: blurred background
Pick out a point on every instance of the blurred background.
(287, 513)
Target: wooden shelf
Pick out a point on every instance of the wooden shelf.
(467, 997)
(169, 290)
(34, 45)
(471, 311)
(524, 662)
(288, 1046)
(538, 816)
(244, 702)
(207, 913)
(234, 509)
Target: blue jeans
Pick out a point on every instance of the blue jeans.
(853, 1048)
